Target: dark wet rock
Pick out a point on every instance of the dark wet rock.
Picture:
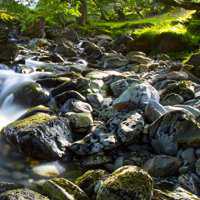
(78, 84)
(197, 167)
(95, 161)
(60, 189)
(91, 50)
(95, 99)
(128, 182)
(94, 143)
(62, 34)
(80, 122)
(137, 155)
(162, 166)
(9, 53)
(20, 194)
(136, 96)
(173, 129)
(112, 61)
(138, 58)
(118, 87)
(53, 82)
(66, 49)
(183, 88)
(130, 128)
(30, 94)
(90, 180)
(172, 99)
(188, 156)
(173, 194)
(40, 136)
(153, 111)
(194, 63)
(70, 94)
(190, 182)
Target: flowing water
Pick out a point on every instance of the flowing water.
(13, 166)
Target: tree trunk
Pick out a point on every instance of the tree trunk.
(84, 12)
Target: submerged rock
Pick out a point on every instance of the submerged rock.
(40, 136)
(128, 182)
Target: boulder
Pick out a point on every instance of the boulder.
(136, 96)
(174, 129)
(162, 166)
(80, 122)
(90, 180)
(40, 136)
(128, 182)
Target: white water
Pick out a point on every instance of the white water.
(9, 82)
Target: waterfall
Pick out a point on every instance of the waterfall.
(9, 82)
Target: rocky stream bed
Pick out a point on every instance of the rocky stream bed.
(88, 118)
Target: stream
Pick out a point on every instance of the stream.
(13, 166)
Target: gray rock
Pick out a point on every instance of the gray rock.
(130, 129)
(172, 129)
(162, 166)
(118, 87)
(153, 111)
(188, 155)
(136, 96)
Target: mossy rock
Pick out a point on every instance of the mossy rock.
(40, 136)
(128, 182)
(80, 122)
(22, 194)
(30, 94)
(60, 189)
(90, 179)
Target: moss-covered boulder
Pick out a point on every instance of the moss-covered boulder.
(90, 180)
(80, 122)
(128, 182)
(40, 136)
(60, 189)
(22, 194)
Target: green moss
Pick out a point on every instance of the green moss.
(36, 119)
(129, 180)
(90, 179)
